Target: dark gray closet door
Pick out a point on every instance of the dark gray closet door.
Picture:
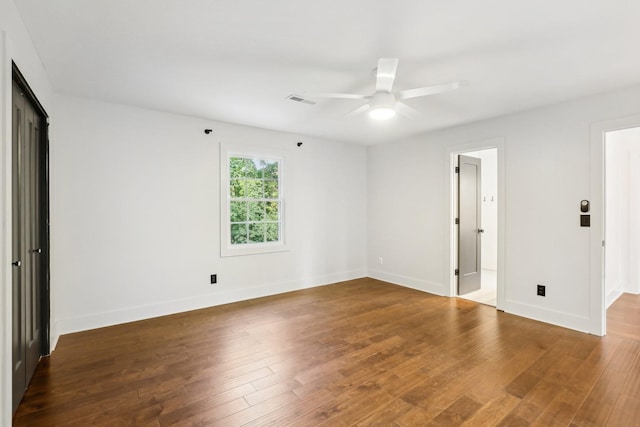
(27, 242)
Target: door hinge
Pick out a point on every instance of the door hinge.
(456, 272)
(603, 243)
(457, 220)
(457, 169)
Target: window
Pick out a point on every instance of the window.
(253, 203)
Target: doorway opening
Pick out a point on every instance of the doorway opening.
(621, 210)
(476, 232)
(603, 136)
(29, 235)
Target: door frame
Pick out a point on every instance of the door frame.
(597, 299)
(451, 155)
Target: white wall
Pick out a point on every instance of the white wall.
(16, 46)
(547, 173)
(489, 209)
(135, 215)
(622, 234)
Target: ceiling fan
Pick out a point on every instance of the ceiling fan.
(384, 103)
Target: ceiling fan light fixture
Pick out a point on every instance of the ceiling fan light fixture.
(382, 113)
(382, 106)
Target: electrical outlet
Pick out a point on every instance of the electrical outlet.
(542, 289)
(214, 279)
(381, 260)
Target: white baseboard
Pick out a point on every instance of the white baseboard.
(409, 282)
(54, 336)
(578, 323)
(612, 296)
(131, 314)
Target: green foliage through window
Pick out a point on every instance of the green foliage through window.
(254, 203)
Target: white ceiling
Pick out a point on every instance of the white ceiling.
(238, 60)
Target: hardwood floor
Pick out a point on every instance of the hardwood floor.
(623, 317)
(362, 352)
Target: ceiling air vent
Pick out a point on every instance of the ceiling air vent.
(298, 98)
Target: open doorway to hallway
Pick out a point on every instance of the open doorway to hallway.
(622, 214)
(481, 260)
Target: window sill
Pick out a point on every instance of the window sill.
(253, 249)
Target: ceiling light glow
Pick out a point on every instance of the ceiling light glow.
(382, 113)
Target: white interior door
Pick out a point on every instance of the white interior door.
(469, 228)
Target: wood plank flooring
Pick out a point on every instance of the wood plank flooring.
(362, 352)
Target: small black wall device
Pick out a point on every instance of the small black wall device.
(584, 206)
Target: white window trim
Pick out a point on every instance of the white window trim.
(226, 152)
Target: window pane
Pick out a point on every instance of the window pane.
(236, 188)
(256, 233)
(271, 170)
(254, 189)
(272, 209)
(249, 169)
(238, 212)
(272, 232)
(256, 211)
(241, 167)
(238, 234)
(261, 164)
(270, 189)
(236, 165)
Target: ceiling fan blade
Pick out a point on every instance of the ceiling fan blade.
(386, 74)
(407, 111)
(430, 90)
(360, 109)
(337, 95)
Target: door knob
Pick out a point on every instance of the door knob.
(36, 251)
(16, 263)
(480, 230)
